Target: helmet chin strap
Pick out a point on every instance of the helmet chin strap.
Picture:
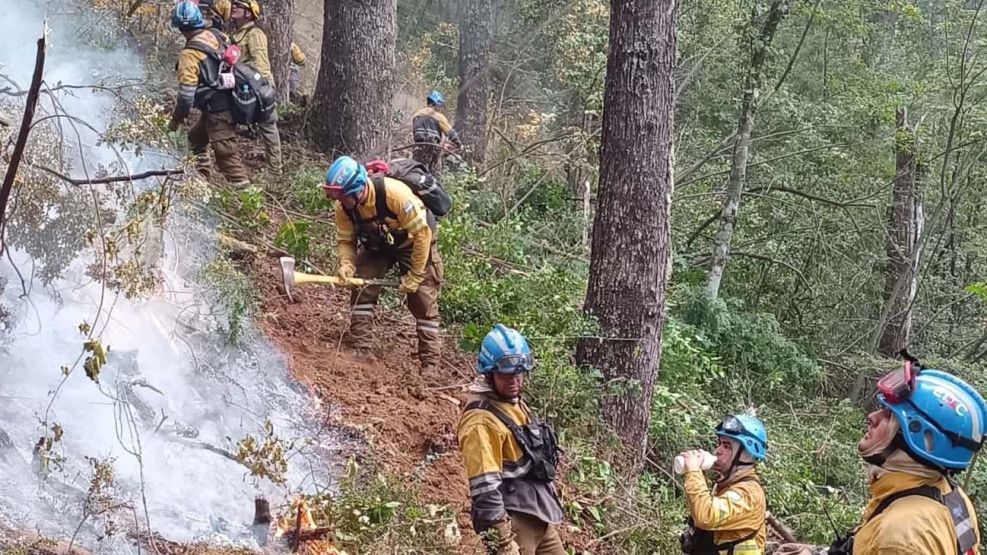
(736, 462)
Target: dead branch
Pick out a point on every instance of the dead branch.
(784, 531)
(111, 179)
(15, 158)
(836, 203)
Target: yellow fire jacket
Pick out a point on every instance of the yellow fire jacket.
(732, 511)
(496, 466)
(253, 49)
(188, 72)
(910, 525)
(411, 217)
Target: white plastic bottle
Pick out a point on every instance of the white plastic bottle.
(678, 465)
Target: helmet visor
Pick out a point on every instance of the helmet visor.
(334, 192)
(514, 364)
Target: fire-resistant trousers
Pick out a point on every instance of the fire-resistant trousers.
(534, 536)
(219, 131)
(423, 303)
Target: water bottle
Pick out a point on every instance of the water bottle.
(678, 464)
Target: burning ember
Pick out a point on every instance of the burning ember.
(295, 530)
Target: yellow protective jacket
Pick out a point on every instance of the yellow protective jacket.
(496, 467)
(411, 217)
(431, 126)
(189, 61)
(253, 49)
(911, 525)
(734, 510)
(297, 56)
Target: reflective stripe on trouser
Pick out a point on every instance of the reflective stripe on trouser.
(222, 137)
(423, 304)
(534, 536)
(268, 132)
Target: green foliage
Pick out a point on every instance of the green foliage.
(246, 206)
(293, 236)
(235, 297)
(763, 364)
(377, 513)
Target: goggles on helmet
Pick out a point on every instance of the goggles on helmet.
(731, 424)
(514, 364)
(334, 192)
(898, 386)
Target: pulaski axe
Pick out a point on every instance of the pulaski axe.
(290, 278)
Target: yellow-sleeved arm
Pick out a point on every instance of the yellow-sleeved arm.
(481, 443)
(297, 56)
(444, 125)
(411, 216)
(253, 42)
(188, 81)
(738, 508)
(345, 237)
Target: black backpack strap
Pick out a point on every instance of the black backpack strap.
(923, 491)
(205, 48)
(513, 426)
(380, 200)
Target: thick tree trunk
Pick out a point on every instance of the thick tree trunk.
(351, 107)
(905, 221)
(629, 262)
(741, 148)
(280, 20)
(475, 36)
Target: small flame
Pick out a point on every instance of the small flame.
(286, 524)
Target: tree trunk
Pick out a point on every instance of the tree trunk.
(905, 221)
(280, 20)
(351, 107)
(475, 35)
(741, 147)
(630, 251)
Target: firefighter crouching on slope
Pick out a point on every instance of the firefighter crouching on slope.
(380, 222)
(253, 48)
(430, 130)
(731, 519)
(928, 426)
(510, 455)
(215, 126)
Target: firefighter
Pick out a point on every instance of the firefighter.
(295, 75)
(430, 131)
(510, 455)
(253, 47)
(216, 126)
(730, 520)
(380, 223)
(218, 12)
(927, 428)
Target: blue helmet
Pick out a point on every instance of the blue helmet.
(748, 431)
(187, 16)
(435, 98)
(346, 175)
(942, 420)
(504, 351)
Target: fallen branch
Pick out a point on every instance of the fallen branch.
(112, 179)
(784, 531)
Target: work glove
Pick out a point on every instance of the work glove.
(500, 539)
(410, 283)
(346, 270)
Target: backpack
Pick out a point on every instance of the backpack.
(254, 99)
(416, 176)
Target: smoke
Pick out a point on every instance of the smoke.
(172, 385)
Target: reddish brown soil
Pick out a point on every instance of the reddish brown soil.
(405, 417)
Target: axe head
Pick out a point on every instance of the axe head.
(288, 276)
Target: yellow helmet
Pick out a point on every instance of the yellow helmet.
(251, 5)
(214, 9)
